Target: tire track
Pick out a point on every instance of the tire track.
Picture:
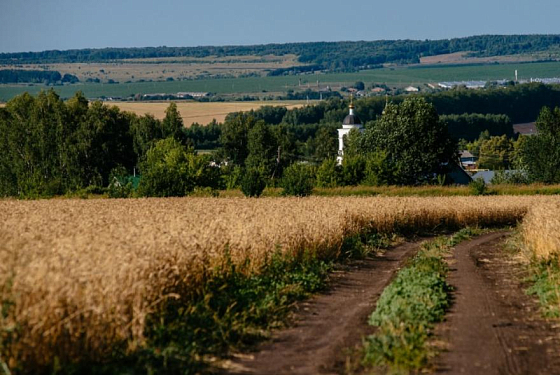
(327, 325)
(493, 326)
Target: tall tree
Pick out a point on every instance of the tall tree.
(234, 137)
(541, 152)
(172, 124)
(262, 148)
(415, 141)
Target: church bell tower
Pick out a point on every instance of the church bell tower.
(352, 121)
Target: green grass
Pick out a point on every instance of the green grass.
(408, 308)
(543, 276)
(413, 191)
(545, 280)
(399, 76)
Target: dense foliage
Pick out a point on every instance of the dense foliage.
(468, 126)
(329, 55)
(541, 152)
(35, 76)
(416, 142)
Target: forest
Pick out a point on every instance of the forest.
(341, 56)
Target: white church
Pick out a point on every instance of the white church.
(352, 121)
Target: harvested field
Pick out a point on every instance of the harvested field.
(159, 69)
(79, 277)
(202, 113)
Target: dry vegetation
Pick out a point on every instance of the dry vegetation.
(202, 113)
(541, 231)
(79, 277)
(159, 69)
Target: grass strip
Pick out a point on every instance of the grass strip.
(543, 275)
(545, 280)
(417, 298)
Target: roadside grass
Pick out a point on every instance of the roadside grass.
(543, 275)
(545, 280)
(408, 308)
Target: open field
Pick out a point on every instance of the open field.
(201, 113)
(264, 86)
(79, 278)
(463, 58)
(160, 69)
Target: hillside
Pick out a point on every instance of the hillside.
(327, 55)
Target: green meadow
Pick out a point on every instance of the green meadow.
(396, 76)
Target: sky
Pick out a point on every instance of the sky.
(38, 25)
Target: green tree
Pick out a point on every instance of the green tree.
(145, 131)
(172, 124)
(416, 142)
(353, 169)
(252, 183)
(298, 180)
(329, 174)
(172, 170)
(378, 169)
(541, 152)
(262, 148)
(325, 143)
(234, 137)
(496, 153)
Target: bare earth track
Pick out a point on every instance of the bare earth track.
(327, 325)
(493, 326)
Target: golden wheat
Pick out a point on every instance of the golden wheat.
(199, 112)
(541, 230)
(81, 276)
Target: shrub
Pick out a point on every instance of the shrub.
(298, 180)
(478, 187)
(120, 185)
(171, 170)
(377, 169)
(232, 176)
(329, 174)
(253, 183)
(353, 169)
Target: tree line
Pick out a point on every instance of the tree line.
(53, 147)
(35, 76)
(330, 55)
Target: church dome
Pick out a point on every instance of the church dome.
(352, 118)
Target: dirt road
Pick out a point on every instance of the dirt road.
(493, 326)
(327, 325)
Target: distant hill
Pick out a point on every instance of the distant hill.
(326, 55)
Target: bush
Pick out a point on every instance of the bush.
(232, 176)
(377, 169)
(120, 185)
(353, 169)
(171, 170)
(253, 183)
(478, 187)
(329, 174)
(298, 180)
(513, 177)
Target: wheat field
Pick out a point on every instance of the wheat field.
(78, 277)
(201, 113)
(541, 231)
